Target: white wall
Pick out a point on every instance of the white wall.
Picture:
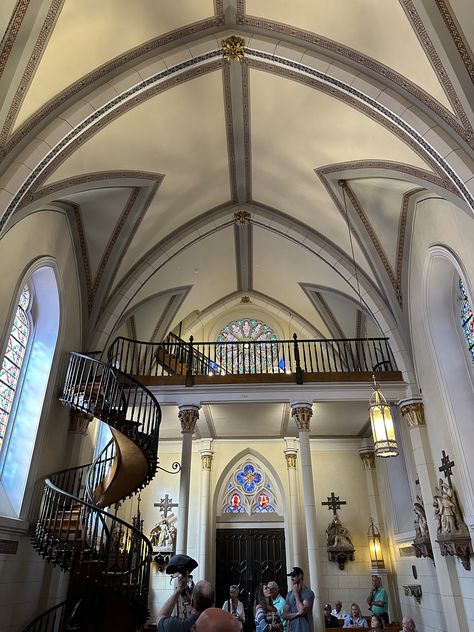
(28, 585)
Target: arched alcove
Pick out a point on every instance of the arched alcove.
(444, 336)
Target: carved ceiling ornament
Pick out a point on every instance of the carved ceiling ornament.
(233, 48)
(242, 218)
(452, 531)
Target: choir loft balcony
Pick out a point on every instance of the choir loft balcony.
(187, 363)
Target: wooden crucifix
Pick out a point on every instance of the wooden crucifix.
(166, 505)
(333, 503)
(446, 466)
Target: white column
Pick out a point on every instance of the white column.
(188, 416)
(206, 464)
(302, 413)
(290, 456)
(450, 593)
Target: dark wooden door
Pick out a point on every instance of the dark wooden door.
(247, 557)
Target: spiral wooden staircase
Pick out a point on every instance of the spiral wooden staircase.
(109, 559)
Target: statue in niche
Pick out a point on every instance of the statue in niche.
(338, 535)
(421, 525)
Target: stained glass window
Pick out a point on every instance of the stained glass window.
(467, 318)
(249, 490)
(13, 359)
(241, 357)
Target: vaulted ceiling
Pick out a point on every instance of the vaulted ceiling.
(191, 181)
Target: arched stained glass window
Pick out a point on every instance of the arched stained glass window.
(13, 359)
(243, 357)
(249, 490)
(467, 318)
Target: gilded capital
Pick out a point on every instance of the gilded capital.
(302, 414)
(188, 416)
(233, 48)
(206, 460)
(368, 459)
(79, 421)
(290, 456)
(414, 413)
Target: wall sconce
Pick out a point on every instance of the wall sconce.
(414, 590)
(375, 547)
(383, 431)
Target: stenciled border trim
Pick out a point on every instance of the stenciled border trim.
(229, 127)
(359, 100)
(464, 129)
(457, 37)
(85, 82)
(11, 32)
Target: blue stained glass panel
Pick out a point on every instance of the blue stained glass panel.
(467, 319)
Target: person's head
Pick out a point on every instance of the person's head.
(296, 575)
(216, 620)
(355, 611)
(202, 596)
(376, 622)
(408, 624)
(234, 591)
(338, 606)
(274, 589)
(376, 581)
(327, 610)
(262, 595)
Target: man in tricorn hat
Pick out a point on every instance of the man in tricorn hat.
(202, 596)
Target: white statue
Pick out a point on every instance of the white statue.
(338, 535)
(421, 525)
(446, 510)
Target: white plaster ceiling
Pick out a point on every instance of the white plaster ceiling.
(223, 139)
(271, 421)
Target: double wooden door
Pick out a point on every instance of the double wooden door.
(247, 557)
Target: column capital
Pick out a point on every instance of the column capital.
(188, 416)
(413, 411)
(79, 421)
(290, 456)
(206, 459)
(367, 456)
(302, 413)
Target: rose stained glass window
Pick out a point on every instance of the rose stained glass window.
(249, 490)
(13, 360)
(467, 318)
(253, 348)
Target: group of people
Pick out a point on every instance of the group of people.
(377, 602)
(272, 612)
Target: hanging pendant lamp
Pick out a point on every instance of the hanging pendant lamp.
(383, 431)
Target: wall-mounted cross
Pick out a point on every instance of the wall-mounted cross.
(446, 466)
(334, 503)
(166, 505)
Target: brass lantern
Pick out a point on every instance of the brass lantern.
(375, 547)
(383, 431)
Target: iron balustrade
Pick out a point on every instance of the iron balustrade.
(175, 356)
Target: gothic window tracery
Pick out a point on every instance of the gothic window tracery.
(467, 319)
(249, 490)
(12, 363)
(241, 357)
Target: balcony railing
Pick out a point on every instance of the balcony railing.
(176, 357)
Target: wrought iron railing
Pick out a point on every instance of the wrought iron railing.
(174, 356)
(74, 532)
